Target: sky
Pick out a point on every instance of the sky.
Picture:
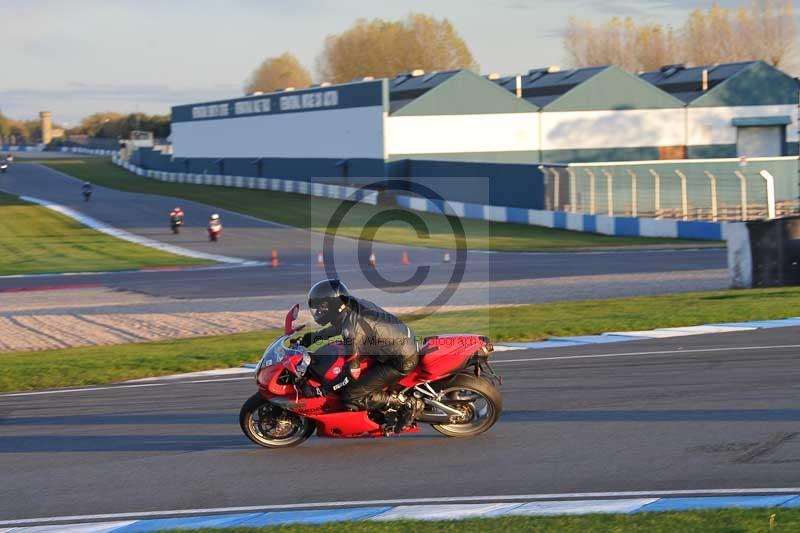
(77, 57)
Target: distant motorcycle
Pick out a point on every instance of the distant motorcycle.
(176, 220)
(4, 166)
(214, 228)
(87, 191)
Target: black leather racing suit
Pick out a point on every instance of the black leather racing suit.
(369, 330)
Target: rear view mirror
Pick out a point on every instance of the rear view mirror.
(291, 316)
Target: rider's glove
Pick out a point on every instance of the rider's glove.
(309, 338)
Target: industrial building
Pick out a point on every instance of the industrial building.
(421, 125)
(746, 109)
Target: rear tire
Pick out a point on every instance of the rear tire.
(482, 390)
(271, 426)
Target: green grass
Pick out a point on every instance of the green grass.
(712, 521)
(315, 213)
(107, 364)
(104, 364)
(36, 240)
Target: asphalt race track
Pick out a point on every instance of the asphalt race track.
(514, 277)
(704, 412)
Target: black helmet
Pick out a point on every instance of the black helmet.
(326, 298)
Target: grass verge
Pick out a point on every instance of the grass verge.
(104, 364)
(37, 240)
(722, 520)
(315, 213)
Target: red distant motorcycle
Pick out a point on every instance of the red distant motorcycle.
(214, 228)
(453, 378)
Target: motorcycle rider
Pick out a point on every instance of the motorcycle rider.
(176, 217)
(367, 329)
(87, 191)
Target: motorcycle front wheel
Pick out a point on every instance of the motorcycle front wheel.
(271, 426)
(479, 402)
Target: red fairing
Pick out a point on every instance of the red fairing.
(268, 377)
(443, 356)
(349, 424)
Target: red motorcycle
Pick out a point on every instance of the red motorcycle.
(453, 378)
(214, 230)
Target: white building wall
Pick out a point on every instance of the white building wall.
(500, 132)
(575, 130)
(355, 132)
(714, 125)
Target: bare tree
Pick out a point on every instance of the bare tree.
(276, 73)
(765, 30)
(619, 42)
(382, 48)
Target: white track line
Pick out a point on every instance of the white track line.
(652, 354)
(113, 387)
(364, 503)
(118, 233)
(494, 362)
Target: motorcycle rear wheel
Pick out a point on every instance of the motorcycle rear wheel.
(271, 426)
(480, 402)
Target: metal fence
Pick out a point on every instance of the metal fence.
(691, 191)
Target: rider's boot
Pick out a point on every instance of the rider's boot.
(408, 411)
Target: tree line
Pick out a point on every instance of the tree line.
(19, 131)
(105, 125)
(377, 47)
(763, 29)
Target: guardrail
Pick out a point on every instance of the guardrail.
(324, 190)
(603, 224)
(88, 151)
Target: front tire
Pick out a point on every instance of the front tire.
(271, 426)
(477, 398)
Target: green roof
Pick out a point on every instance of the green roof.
(466, 93)
(613, 89)
(758, 84)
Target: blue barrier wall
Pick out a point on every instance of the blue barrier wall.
(513, 185)
(267, 167)
(485, 183)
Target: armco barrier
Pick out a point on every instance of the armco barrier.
(21, 148)
(339, 192)
(603, 224)
(63, 149)
(88, 151)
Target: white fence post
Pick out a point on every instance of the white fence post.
(713, 180)
(573, 190)
(634, 200)
(556, 184)
(657, 196)
(743, 192)
(770, 193)
(609, 192)
(684, 195)
(592, 193)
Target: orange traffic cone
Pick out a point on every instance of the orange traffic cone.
(404, 259)
(372, 260)
(274, 262)
(320, 261)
